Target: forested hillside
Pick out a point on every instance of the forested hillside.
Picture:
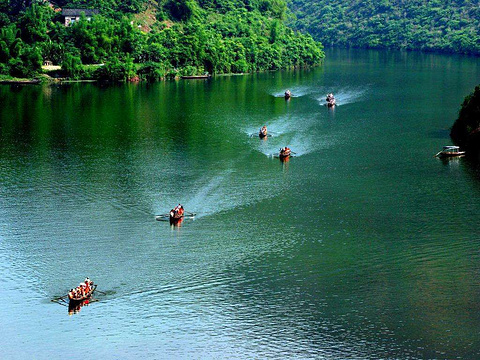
(151, 40)
(434, 25)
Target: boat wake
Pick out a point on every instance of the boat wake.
(343, 96)
(297, 91)
(297, 133)
(225, 191)
(278, 127)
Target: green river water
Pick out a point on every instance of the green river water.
(362, 246)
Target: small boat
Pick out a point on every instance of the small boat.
(331, 102)
(450, 151)
(175, 217)
(177, 214)
(195, 76)
(263, 132)
(288, 94)
(21, 82)
(75, 300)
(284, 153)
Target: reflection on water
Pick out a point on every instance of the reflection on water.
(74, 308)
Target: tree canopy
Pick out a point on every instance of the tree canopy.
(154, 40)
(445, 26)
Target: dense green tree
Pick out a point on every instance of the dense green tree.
(72, 66)
(191, 37)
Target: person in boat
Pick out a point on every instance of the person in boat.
(177, 211)
(82, 289)
(263, 131)
(285, 151)
(287, 94)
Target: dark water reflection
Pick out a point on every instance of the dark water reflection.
(361, 246)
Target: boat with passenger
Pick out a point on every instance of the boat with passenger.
(263, 132)
(82, 292)
(287, 94)
(284, 153)
(331, 102)
(177, 214)
(450, 151)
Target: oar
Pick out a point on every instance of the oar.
(101, 292)
(60, 301)
(190, 213)
(438, 154)
(162, 215)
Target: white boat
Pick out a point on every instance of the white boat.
(450, 151)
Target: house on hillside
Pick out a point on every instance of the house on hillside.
(72, 15)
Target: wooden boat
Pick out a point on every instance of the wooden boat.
(176, 217)
(21, 82)
(288, 94)
(450, 151)
(73, 301)
(331, 102)
(263, 132)
(284, 153)
(195, 76)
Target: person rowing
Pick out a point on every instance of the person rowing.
(331, 100)
(177, 212)
(263, 131)
(81, 291)
(284, 152)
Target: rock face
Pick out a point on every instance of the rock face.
(466, 129)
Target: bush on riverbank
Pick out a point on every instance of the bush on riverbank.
(466, 129)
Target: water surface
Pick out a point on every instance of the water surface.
(361, 246)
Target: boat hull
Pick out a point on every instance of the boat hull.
(176, 220)
(284, 155)
(195, 77)
(451, 155)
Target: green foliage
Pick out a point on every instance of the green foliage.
(116, 70)
(34, 23)
(152, 71)
(72, 66)
(466, 129)
(214, 36)
(447, 26)
(181, 10)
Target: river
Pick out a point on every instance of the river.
(361, 246)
